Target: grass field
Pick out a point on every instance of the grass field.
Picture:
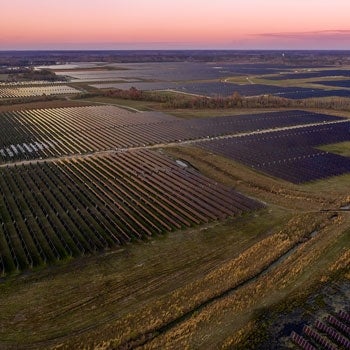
(342, 148)
(304, 83)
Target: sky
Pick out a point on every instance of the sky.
(174, 24)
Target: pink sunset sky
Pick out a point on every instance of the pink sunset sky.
(177, 24)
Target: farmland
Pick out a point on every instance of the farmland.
(173, 228)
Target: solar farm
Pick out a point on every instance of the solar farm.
(336, 83)
(71, 208)
(291, 154)
(127, 194)
(334, 327)
(56, 132)
(14, 92)
(224, 89)
(209, 79)
(132, 223)
(313, 74)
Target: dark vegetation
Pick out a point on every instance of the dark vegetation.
(31, 74)
(290, 58)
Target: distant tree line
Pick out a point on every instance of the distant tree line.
(31, 74)
(289, 58)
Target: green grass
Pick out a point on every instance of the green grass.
(336, 185)
(342, 148)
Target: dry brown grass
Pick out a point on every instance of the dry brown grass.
(229, 314)
(228, 276)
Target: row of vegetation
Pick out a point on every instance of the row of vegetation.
(289, 58)
(31, 74)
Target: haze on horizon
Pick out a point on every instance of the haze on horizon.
(180, 24)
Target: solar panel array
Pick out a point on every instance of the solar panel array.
(313, 74)
(79, 130)
(212, 89)
(166, 71)
(49, 211)
(332, 333)
(14, 92)
(291, 155)
(337, 83)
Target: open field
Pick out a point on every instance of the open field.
(67, 297)
(341, 148)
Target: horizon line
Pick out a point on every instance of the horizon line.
(178, 49)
